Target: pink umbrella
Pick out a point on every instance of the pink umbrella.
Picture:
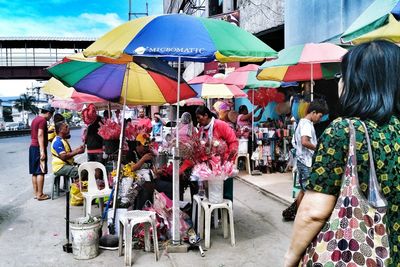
(245, 77)
(209, 87)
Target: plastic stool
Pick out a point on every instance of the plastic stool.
(126, 224)
(227, 210)
(56, 185)
(247, 161)
(196, 206)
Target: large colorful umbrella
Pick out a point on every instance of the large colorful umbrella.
(147, 80)
(182, 36)
(306, 62)
(379, 21)
(245, 77)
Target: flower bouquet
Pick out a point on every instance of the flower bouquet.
(132, 130)
(110, 131)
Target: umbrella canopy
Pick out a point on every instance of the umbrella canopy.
(245, 77)
(209, 87)
(379, 21)
(56, 88)
(148, 80)
(78, 106)
(195, 101)
(303, 63)
(182, 36)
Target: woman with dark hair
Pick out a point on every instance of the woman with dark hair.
(369, 91)
(212, 128)
(244, 118)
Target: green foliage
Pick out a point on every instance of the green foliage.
(26, 102)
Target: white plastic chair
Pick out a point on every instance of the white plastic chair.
(92, 190)
(126, 224)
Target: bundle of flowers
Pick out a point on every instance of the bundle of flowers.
(215, 169)
(243, 132)
(109, 130)
(132, 130)
(126, 171)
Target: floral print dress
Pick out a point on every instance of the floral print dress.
(330, 159)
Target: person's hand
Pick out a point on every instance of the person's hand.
(42, 155)
(80, 149)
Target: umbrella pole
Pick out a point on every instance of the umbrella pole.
(312, 83)
(121, 141)
(175, 181)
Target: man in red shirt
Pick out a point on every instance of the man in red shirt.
(38, 151)
(143, 121)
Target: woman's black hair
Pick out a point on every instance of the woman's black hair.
(58, 117)
(242, 108)
(371, 80)
(203, 110)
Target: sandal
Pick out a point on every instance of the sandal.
(43, 197)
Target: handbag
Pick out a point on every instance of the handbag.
(355, 234)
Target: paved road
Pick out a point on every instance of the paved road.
(16, 183)
(32, 233)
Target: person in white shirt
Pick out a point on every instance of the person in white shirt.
(305, 143)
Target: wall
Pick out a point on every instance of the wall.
(317, 20)
(260, 15)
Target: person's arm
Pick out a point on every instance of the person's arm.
(146, 157)
(41, 144)
(68, 155)
(229, 135)
(306, 142)
(259, 115)
(314, 210)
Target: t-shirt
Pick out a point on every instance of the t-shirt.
(303, 154)
(157, 127)
(38, 123)
(59, 146)
(145, 122)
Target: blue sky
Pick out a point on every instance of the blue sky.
(63, 18)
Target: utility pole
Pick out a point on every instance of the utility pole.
(135, 13)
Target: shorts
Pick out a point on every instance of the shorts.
(34, 162)
(304, 174)
(68, 171)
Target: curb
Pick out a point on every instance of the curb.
(265, 192)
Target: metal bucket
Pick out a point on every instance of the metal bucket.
(85, 237)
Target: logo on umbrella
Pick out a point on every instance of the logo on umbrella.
(140, 50)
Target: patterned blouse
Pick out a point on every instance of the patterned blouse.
(330, 161)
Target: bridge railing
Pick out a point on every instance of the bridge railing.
(16, 57)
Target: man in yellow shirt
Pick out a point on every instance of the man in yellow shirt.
(63, 156)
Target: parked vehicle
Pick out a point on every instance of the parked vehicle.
(14, 126)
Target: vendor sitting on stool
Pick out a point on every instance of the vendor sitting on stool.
(63, 156)
(142, 156)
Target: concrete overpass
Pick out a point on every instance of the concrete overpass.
(26, 57)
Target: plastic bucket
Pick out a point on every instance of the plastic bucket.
(216, 191)
(85, 237)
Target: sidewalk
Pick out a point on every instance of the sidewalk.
(277, 185)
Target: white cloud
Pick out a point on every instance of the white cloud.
(111, 19)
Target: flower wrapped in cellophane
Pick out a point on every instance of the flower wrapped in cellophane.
(109, 130)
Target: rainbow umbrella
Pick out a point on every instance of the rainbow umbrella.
(57, 89)
(146, 80)
(379, 21)
(245, 77)
(306, 62)
(182, 36)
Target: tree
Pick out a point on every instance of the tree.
(26, 103)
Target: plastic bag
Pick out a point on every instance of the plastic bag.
(76, 197)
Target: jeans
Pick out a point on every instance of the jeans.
(304, 174)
